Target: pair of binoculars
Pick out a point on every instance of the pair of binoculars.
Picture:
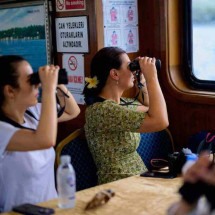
(135, 66)
(62, 77)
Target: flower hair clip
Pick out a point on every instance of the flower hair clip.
(92, 82)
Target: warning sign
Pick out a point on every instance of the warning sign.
(72, 34)
(72, 62)
(70, 5)
(74, 65)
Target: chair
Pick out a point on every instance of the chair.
(76, 146)
(195, 140)
(155, 145)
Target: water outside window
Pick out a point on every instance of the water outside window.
(203, 19)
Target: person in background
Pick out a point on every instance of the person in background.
(197, 192)
(28, 131)
(113, 123)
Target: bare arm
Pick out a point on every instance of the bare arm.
(46, 133)
(71, 109)
(156, 118)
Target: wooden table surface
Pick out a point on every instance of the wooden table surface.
(133, 196)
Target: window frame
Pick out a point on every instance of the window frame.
(188, 50)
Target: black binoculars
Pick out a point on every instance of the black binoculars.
(62, 77)
(134, 65)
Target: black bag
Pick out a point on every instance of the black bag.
(176, 162)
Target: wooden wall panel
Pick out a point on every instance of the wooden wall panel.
(96, 41)
(189, 110)
(66, 128)
(161, 36)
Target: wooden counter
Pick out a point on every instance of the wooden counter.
(133, 196)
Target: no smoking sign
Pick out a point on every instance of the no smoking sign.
(70, 5)
(73, 63)
(60, 4)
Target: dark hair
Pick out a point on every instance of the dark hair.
(8, 73)
(104, 60)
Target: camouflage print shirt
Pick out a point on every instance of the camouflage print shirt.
(111, 132)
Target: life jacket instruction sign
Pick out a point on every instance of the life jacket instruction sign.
(121, 26)
(72, 34)
(70, 5)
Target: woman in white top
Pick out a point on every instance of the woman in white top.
(27, 155)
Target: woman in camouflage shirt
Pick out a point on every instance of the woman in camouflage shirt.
(113, 124)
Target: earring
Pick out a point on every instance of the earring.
(117, 82)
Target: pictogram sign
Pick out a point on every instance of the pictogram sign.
(70, 5)
(72, 62)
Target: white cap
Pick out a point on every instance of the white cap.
(65, 159)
